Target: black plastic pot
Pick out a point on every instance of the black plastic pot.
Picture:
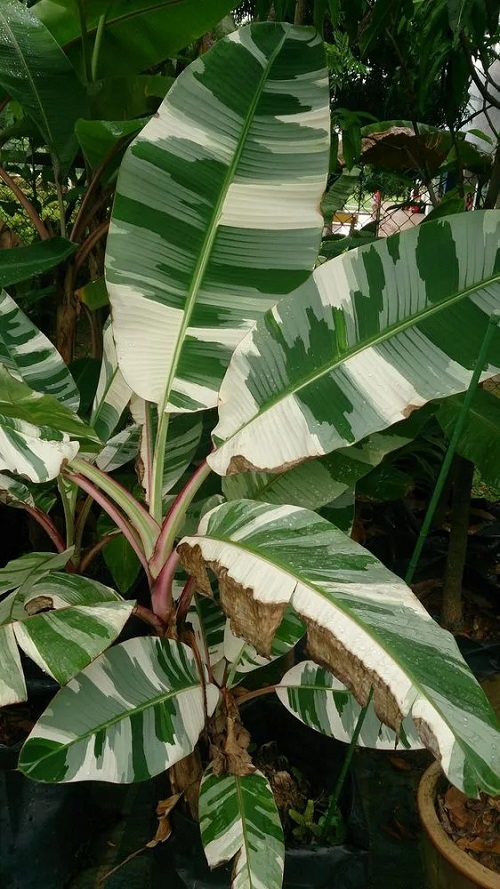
(43, 827)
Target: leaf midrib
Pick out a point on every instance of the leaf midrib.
(376, 340)
(213, 224)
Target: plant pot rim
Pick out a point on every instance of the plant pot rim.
(465, 864)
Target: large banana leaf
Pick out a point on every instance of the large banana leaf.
(30, 356)
(373, 334)
(363, 623)
(243, 657)
(216, 212)
(62, 623)
(138, 34)
(35, 71)
(134, 712)
(35, 431)
(238, 817)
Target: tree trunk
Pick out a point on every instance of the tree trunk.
(300, 8)
(452, 611)
(66, 318)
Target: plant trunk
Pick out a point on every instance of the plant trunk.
(300, 8)
(66, 319)
(452, 611)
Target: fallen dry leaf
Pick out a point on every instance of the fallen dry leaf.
(164, 828)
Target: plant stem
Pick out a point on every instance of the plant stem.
(97, 46)
(155, 492)
(175, 518)
(149, 618)
(334, 799)
(138, 517)
(26, 204)
(85, 41)
(48, 526)
(69, 518)
(185, 598)
(459, 425)
(95, 550)
(60, 200)
(90, 243)
(119, 519)
(161, 593)
(452, 609)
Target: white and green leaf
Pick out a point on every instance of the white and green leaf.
(64, 621)
(363, 623)
(36, 431)
(372, 335)
(216, 212)
(28, 569)
(243, 657)
(325, 704)
(479, 440)
(113, 393)
(239, 819)
(317, 482)
(120, 449)
(131, 714)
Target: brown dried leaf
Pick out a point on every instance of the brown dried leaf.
(39, 604)
(164, 828)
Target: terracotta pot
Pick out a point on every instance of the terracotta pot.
(447, 865)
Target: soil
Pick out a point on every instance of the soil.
(473, 825)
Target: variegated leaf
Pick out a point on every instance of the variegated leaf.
(28, 569)
(63, 622)
(244, 658)
(35, 431)
(363, 623)
(12, 684)
(113, 393)
(372, 335)
(208, 622)
(216, 213)
(239, 819)
(323, 703)
(120, 449)
(134, 712)
(317, 482)
(13, 492)
(30, 356)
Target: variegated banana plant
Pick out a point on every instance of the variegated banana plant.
(215, 304)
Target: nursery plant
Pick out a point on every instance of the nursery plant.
(214, 304)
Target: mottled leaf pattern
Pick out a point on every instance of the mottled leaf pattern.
(216, 212)
(363, 623)
(317, 482)
(130, 715)
(120, 449)
(323, 703)
(112, 394)
(243, 657)
(370, 336)
(26, 570)
(480, 438)
(208, 622)
(62, 622)
(35, 431)
(12, 684)
(238, 817)
(14, 492)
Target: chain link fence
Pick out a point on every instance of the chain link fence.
(384, 204)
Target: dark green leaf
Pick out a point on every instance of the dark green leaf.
(20, 263)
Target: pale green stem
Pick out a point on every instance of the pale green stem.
(69, 514)
(85, 40)
(155, 495)
(459, 425)
(175, 518)
(334, 799)
(139, 518)
(97, 46)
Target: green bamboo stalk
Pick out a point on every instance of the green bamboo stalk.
(459, 425)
